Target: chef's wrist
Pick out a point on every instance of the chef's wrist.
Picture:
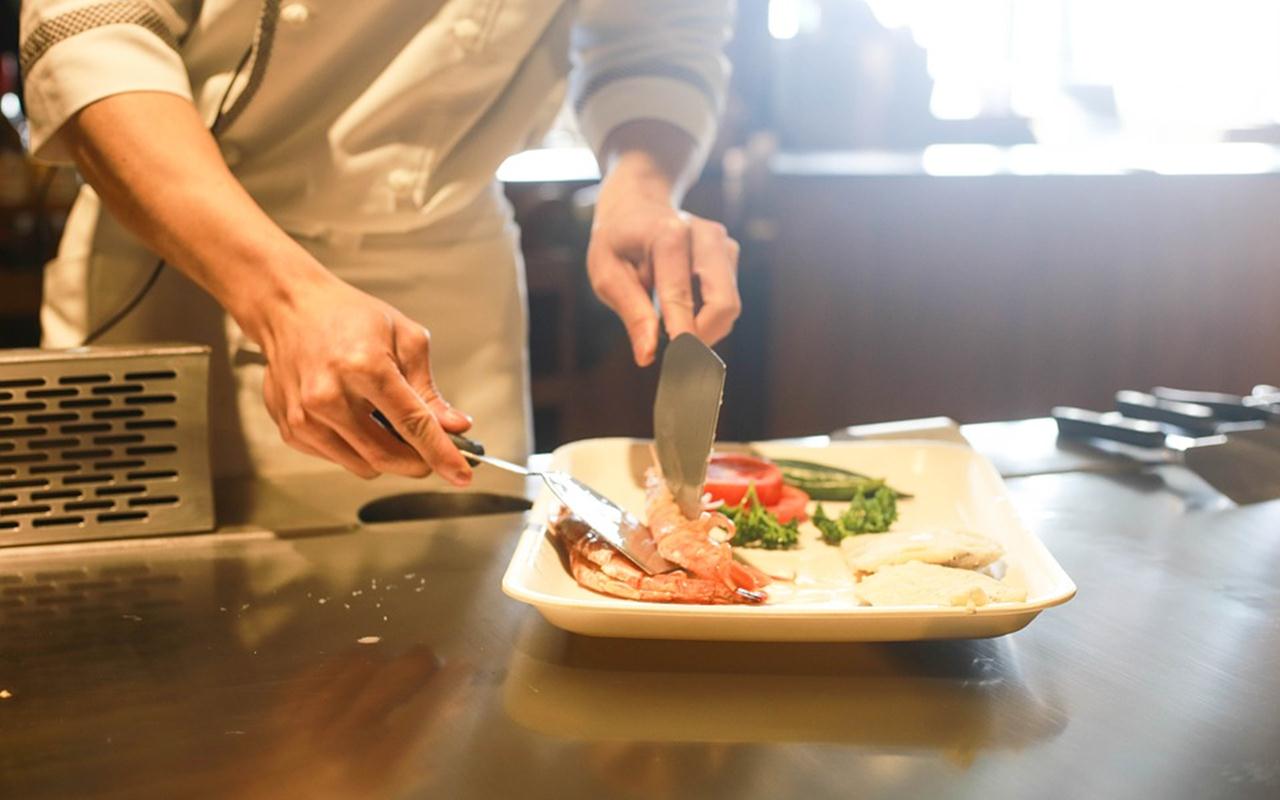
(654, 159)
(275, 281)
(635, 174)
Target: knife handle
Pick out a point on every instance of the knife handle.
(461, 442)
(1079, 423)
(1226, 407)
(1192, 417)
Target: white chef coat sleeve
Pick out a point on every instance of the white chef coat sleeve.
(657, 59)
(74, 53)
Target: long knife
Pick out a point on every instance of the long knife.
(685, 412)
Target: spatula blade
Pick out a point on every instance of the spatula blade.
(612, 523)
(685, 411)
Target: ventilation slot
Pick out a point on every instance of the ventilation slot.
(122, 516)
(46, 522)
(90, 505)
(77, 480)
(124, 463)
(75, 380)
(153, 475)
(109, 491)
(52, 444)
(20, 408)
(86, 402)
(119, 413)
(13, 511)
(162, 500)
(34, 393)
(127, 388)
(119, 438)
(151, 399)
(57, 416)
(150, 450)
(150, 424)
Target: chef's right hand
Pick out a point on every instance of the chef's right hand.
(334, 355)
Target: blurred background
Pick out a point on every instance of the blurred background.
(976, 208)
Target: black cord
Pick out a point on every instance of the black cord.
(138, 296)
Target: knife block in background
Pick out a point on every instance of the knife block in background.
(103, 442)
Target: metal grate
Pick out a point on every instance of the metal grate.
(103, 442)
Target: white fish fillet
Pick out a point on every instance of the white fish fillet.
(918, 584)
(869, 552)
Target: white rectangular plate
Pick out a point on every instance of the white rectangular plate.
(954, 487)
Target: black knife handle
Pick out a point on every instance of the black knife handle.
(1226, 407)
(1079, 423)
(1192, 417)
(461, 442)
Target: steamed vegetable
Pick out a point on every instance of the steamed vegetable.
(755, 526)
(867, 513)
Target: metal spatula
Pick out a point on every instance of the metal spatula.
(685, 411)
(613, 524)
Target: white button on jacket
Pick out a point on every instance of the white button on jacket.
(371, 132)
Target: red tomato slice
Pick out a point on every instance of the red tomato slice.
(791, 505)
(729, 475)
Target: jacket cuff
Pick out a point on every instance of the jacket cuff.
(670, 100)
(92, 65)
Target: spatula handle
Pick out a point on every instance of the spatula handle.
(1080, 423)
(1226, 407)
(1192, 417)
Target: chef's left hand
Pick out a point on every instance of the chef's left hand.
(640, 240)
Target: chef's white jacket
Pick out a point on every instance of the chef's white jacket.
(370, 131)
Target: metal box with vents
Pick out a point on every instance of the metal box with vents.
(103, 442)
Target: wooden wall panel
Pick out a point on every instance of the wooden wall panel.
(997, 297)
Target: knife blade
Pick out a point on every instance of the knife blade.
(685, 412)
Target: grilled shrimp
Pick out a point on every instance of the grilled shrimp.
(598, 567)
(702, 545)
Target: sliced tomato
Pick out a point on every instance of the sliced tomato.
(791, 505)
(729, 475)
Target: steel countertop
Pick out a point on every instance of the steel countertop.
(295, 653)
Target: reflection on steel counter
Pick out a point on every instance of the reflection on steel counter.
(958, 697)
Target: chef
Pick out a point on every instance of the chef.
(307, 187)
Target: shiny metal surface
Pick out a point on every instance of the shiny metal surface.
(334, 660)
(685, 411)
(103, 442)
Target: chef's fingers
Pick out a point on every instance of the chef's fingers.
(328, 404)
(715, 262)
(324, 442)
(615, 282)
(673, 276)
(413, 351)
(310, 436)
(388, 391)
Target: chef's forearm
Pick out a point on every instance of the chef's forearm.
(159, 171)
(656, 156)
